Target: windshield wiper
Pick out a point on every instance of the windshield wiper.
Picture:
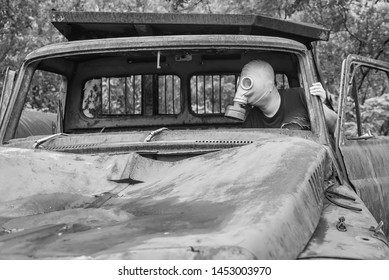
(47, 138)
(153, 133)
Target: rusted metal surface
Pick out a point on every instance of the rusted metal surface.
(346, 79)
(315, 110)
(94, 25)
(6, 98)
(17, 103)
(169, 141)
(73, 119)
(175, 206)
(365, 159)
(357, 242)
(191, 191)
(367, 167)
(162, 43)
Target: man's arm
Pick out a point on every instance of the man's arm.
(329, 115)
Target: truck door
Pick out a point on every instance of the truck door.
(362, 136)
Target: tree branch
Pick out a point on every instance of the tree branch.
(190, 6)
(381, 49)
(345, 19)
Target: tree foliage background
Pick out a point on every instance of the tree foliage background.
(357, 26)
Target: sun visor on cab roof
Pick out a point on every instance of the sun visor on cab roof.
(94, 25)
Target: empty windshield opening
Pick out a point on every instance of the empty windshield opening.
(191, 89)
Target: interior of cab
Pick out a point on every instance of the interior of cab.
(145, 89)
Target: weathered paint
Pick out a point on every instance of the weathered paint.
(6, 99)
(208, 206)
(5, 96)
(73, 120)
(169, 141)
(92, 25)
(26, 173)
(266, 208)
(114, 45)
(366, 162)
(357, 242)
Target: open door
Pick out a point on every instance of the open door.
(5, 99)
(362, 136)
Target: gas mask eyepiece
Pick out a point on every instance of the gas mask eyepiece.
(246, 83)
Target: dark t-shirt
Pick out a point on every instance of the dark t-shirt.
(293, 113)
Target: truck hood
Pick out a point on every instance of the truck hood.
(262, 200)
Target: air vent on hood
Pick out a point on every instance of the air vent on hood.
(225, 141)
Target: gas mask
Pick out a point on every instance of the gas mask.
(254, 85)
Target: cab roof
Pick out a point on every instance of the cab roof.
(96, 25)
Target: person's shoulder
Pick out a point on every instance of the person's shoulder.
(291, 95)
(292, 91)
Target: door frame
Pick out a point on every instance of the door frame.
(363, 158)
(6, 99)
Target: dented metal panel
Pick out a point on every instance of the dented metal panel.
(225, 211)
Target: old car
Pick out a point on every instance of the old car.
(144, 164)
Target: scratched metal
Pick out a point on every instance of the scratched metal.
(255, 201)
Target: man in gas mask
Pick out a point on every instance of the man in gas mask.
(271, 108)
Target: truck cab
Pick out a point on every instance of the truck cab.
(139, 160)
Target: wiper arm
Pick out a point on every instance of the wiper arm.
(47, 138)
(153, 133)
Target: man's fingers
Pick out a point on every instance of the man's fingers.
(318, 90)
(317, 87)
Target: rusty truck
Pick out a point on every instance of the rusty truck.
(141, 162)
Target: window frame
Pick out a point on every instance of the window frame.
(211, 74)
(347, 77)
(153, 76)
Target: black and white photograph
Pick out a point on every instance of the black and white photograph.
(194, 130)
